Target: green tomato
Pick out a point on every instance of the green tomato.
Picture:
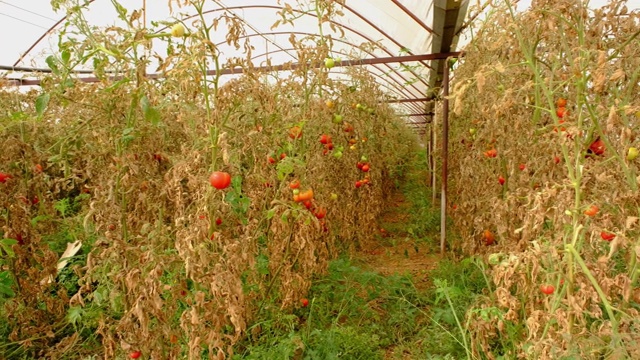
(329, 63)
(632, 154)
(363, 158)
(334, 196)
(337, 154)
(337, 119)
(296, 191)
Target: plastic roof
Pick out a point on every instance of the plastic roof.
(402, 29)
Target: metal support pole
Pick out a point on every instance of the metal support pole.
(432, 170)
(445, 155)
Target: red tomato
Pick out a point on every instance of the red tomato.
(547, 289)
(135, 354)
(488, 237)
(597, 147)
(320, 213)
(365, 168)
(308, 204)
(218, 221)
(501, 180)
(561, 112)
(360, 164)
(561, 102)
(295, 132)
(556, 159)
(591, 211)
(607, 235)
(4, 177)
(220, 180)
(522, 167)
(283, 155)
(348, 128)
(304, 302)
(271, 160)
(295, 184)
(37, 168)
(325, 139)
(35, 200)
(328, 146)
(358, 183)
(491, 153)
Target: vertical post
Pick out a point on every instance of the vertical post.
(430, 151)
(434, 178)
(445, 155)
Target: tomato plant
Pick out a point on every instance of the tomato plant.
(220, 180)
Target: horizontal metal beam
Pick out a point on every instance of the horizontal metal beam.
(423, 114)
(396, 101)
(282, 67)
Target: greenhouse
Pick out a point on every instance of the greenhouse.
(319, 179)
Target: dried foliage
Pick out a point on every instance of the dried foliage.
(506, 97)
(123, 166)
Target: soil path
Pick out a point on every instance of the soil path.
(395, 251)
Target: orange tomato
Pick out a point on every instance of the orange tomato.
(304, 196)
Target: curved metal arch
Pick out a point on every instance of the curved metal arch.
(43, 36)
(312, 15)
(311, 34)
(393, 87)
(268, 7)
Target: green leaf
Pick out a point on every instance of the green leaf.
(66, 56)
(151, 114)
(6, 245)
(52, 64)
(41, 103)
(74, 315)
(271, 213)
(6, 281)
